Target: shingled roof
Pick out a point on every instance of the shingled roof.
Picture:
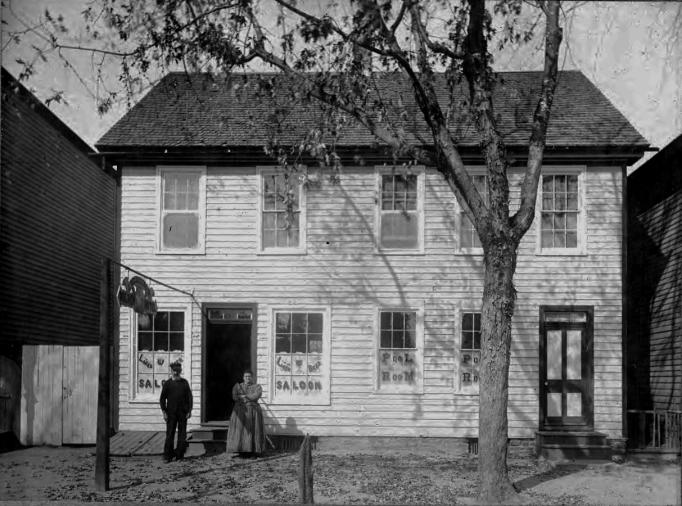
(184, 111)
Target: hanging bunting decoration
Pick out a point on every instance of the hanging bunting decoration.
(136, 294)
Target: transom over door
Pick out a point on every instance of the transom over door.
(566, 368)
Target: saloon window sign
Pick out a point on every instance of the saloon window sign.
(398, 367)
(298, 375)
(470, 369)
(153, 369)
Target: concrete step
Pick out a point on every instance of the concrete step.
(572, 438)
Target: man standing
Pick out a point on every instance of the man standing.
(176, 404)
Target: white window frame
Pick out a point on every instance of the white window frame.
(133, 358)
(323, 399)
(460, 216)
(418, 388)
(581, 248)
(459, 314)
(420, 172)
(186, 169)
(302, 246)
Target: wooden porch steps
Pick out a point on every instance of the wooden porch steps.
(574, 445)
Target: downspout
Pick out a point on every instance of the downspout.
(625, 313)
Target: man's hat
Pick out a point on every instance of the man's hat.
(176, 366)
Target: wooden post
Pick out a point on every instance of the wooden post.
(103, 397)
(305, 473)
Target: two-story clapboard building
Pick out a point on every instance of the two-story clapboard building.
(356, 299)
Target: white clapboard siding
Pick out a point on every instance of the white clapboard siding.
(341, 270)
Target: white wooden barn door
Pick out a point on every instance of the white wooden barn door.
(79, 394)
(58, 395)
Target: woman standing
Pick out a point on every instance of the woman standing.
(245, 434)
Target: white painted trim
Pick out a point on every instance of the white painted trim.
(319, 400)
(581, 250)
(381, 170)
(303, 221)
(419, 387)
(132, 349)
(201, 249)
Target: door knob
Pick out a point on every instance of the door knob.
(546, 383)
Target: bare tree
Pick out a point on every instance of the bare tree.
(330, 56)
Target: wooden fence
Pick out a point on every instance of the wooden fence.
(654, 429)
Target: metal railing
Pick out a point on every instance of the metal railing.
(654, 429)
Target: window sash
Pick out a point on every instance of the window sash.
(399, 351)
(181, 213)
(468, 236)
(400, 211)
(470, 351)
(560, 211)
(300, 354)
(281, 217)
(159, 341)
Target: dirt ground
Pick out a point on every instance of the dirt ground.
(67, 474)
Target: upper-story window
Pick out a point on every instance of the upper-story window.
(468, 237)
(182, 209)
(282, 213)
(401, 210)
(561, 210)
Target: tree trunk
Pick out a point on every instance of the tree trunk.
(498, 307)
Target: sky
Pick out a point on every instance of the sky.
(630, 50)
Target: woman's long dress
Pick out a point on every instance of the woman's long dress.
(245, 433)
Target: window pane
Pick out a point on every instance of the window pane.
(560, 184)
(468, 321)
(269, 239)
(571, 239)
(410, 338)
(547, 239)
(398, 339)
(144, 341)
(477, 321)
(315, 343)
(177, 321)
(283, 323)
(180, 230)
(300, 323)
(547, 221)
(399, 230)
(283, 343)
(315, 323)
(398, 320)
(161, 320)
(386, 336)
(572, 183)
(572, 201)
(386, 320)
(161, 341)
(559, 221)
(169, 201)
(547, 184)
(298, 343)
(477, 340)
(572, 221)
(177, 341)
(560, 239)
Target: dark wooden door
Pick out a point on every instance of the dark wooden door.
(228, 346)
(566, 368)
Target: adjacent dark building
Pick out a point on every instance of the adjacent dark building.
(654, 349)
(57, 221)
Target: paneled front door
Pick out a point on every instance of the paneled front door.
(566, 368)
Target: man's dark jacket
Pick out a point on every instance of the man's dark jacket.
(176, 397)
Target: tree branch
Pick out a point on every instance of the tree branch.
(436, 47)
(524, 216)
(399, 18)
